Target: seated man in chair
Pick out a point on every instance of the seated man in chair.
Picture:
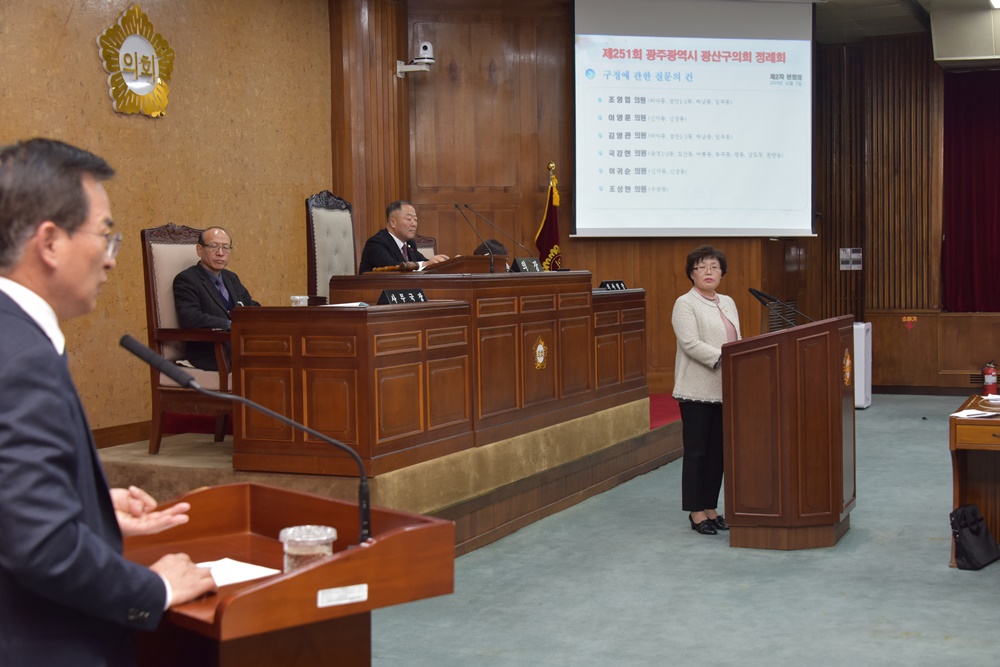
(206, 293)
(394, 244)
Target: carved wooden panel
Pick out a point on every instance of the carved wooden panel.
(448, 392)
(497, 347)
(574, 300)
(756, 456)
(330, 405)
(847, 434)
(399, 403)
(812, 467)
(448, 337)
(329, 346)
(607, 350)
(266, 346)
(396, 343)
(272, 388)
(506, 305)
(633, 355)
(608, 318)
(499, 372)
(633, 315)
(539, 383)
(575, 352)
(536, 303)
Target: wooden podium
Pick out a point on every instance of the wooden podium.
(788, 405)
(318, 615)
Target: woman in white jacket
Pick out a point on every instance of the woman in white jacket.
(703, 321)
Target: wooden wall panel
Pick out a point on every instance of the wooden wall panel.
(245, 139)
(904, 173)
(521, 91)
(904, 355)
(369, 118)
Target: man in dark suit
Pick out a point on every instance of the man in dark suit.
(394, 244)
(206, 293)
(67, 595)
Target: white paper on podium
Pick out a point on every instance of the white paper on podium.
(975, 414)
(228, 571)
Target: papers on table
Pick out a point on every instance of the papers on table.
(975, 414)
(228, 571)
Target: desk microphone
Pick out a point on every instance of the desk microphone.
(500, 229)
(485, 244)
(184, 379)
(768, 302)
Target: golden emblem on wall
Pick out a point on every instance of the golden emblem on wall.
(540, 351)
(847, 367)
(139, 63)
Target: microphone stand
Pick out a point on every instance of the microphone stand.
(785, 304)
(184, 379)
(766, 300)
(485, 244)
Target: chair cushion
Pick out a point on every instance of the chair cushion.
(334, 242)
(169, 259)
(207, 379)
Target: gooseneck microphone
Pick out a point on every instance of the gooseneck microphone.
(184, 379)
(784, 304)
(485, 244)
(768, 302)
(500, 229)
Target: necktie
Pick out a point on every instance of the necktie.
(222, 288)
(406, 255)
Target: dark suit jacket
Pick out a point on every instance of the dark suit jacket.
(67, 595)
(200, 306)
(381, 250)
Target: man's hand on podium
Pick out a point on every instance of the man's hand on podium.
(134, 509)
(187, 581)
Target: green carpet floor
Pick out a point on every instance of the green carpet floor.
(622, 580)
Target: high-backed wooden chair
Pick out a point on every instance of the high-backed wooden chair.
(166, 251)
(331, 244)
(427, 245)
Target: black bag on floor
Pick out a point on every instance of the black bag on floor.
(975, 548)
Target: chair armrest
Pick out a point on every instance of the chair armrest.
(192, 335)
(218, 336)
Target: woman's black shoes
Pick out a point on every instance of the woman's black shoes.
(720, 523)
(706, 527)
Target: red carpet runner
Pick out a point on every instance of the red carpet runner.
(663, 409)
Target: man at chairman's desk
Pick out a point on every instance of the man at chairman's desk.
(394, 244)
(206, 293)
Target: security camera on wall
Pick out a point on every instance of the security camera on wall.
(421, 62)
(425, 54)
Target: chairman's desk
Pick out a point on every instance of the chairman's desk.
(975, 462)
(488, 357)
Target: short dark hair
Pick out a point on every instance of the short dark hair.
(495, 246)
(40, 180)
(699, 255)
(395, 206)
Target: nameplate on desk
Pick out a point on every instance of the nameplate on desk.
(332, 597)
(392, 297)
(526, 265)
(613, 284)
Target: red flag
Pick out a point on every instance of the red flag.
(547, 237)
